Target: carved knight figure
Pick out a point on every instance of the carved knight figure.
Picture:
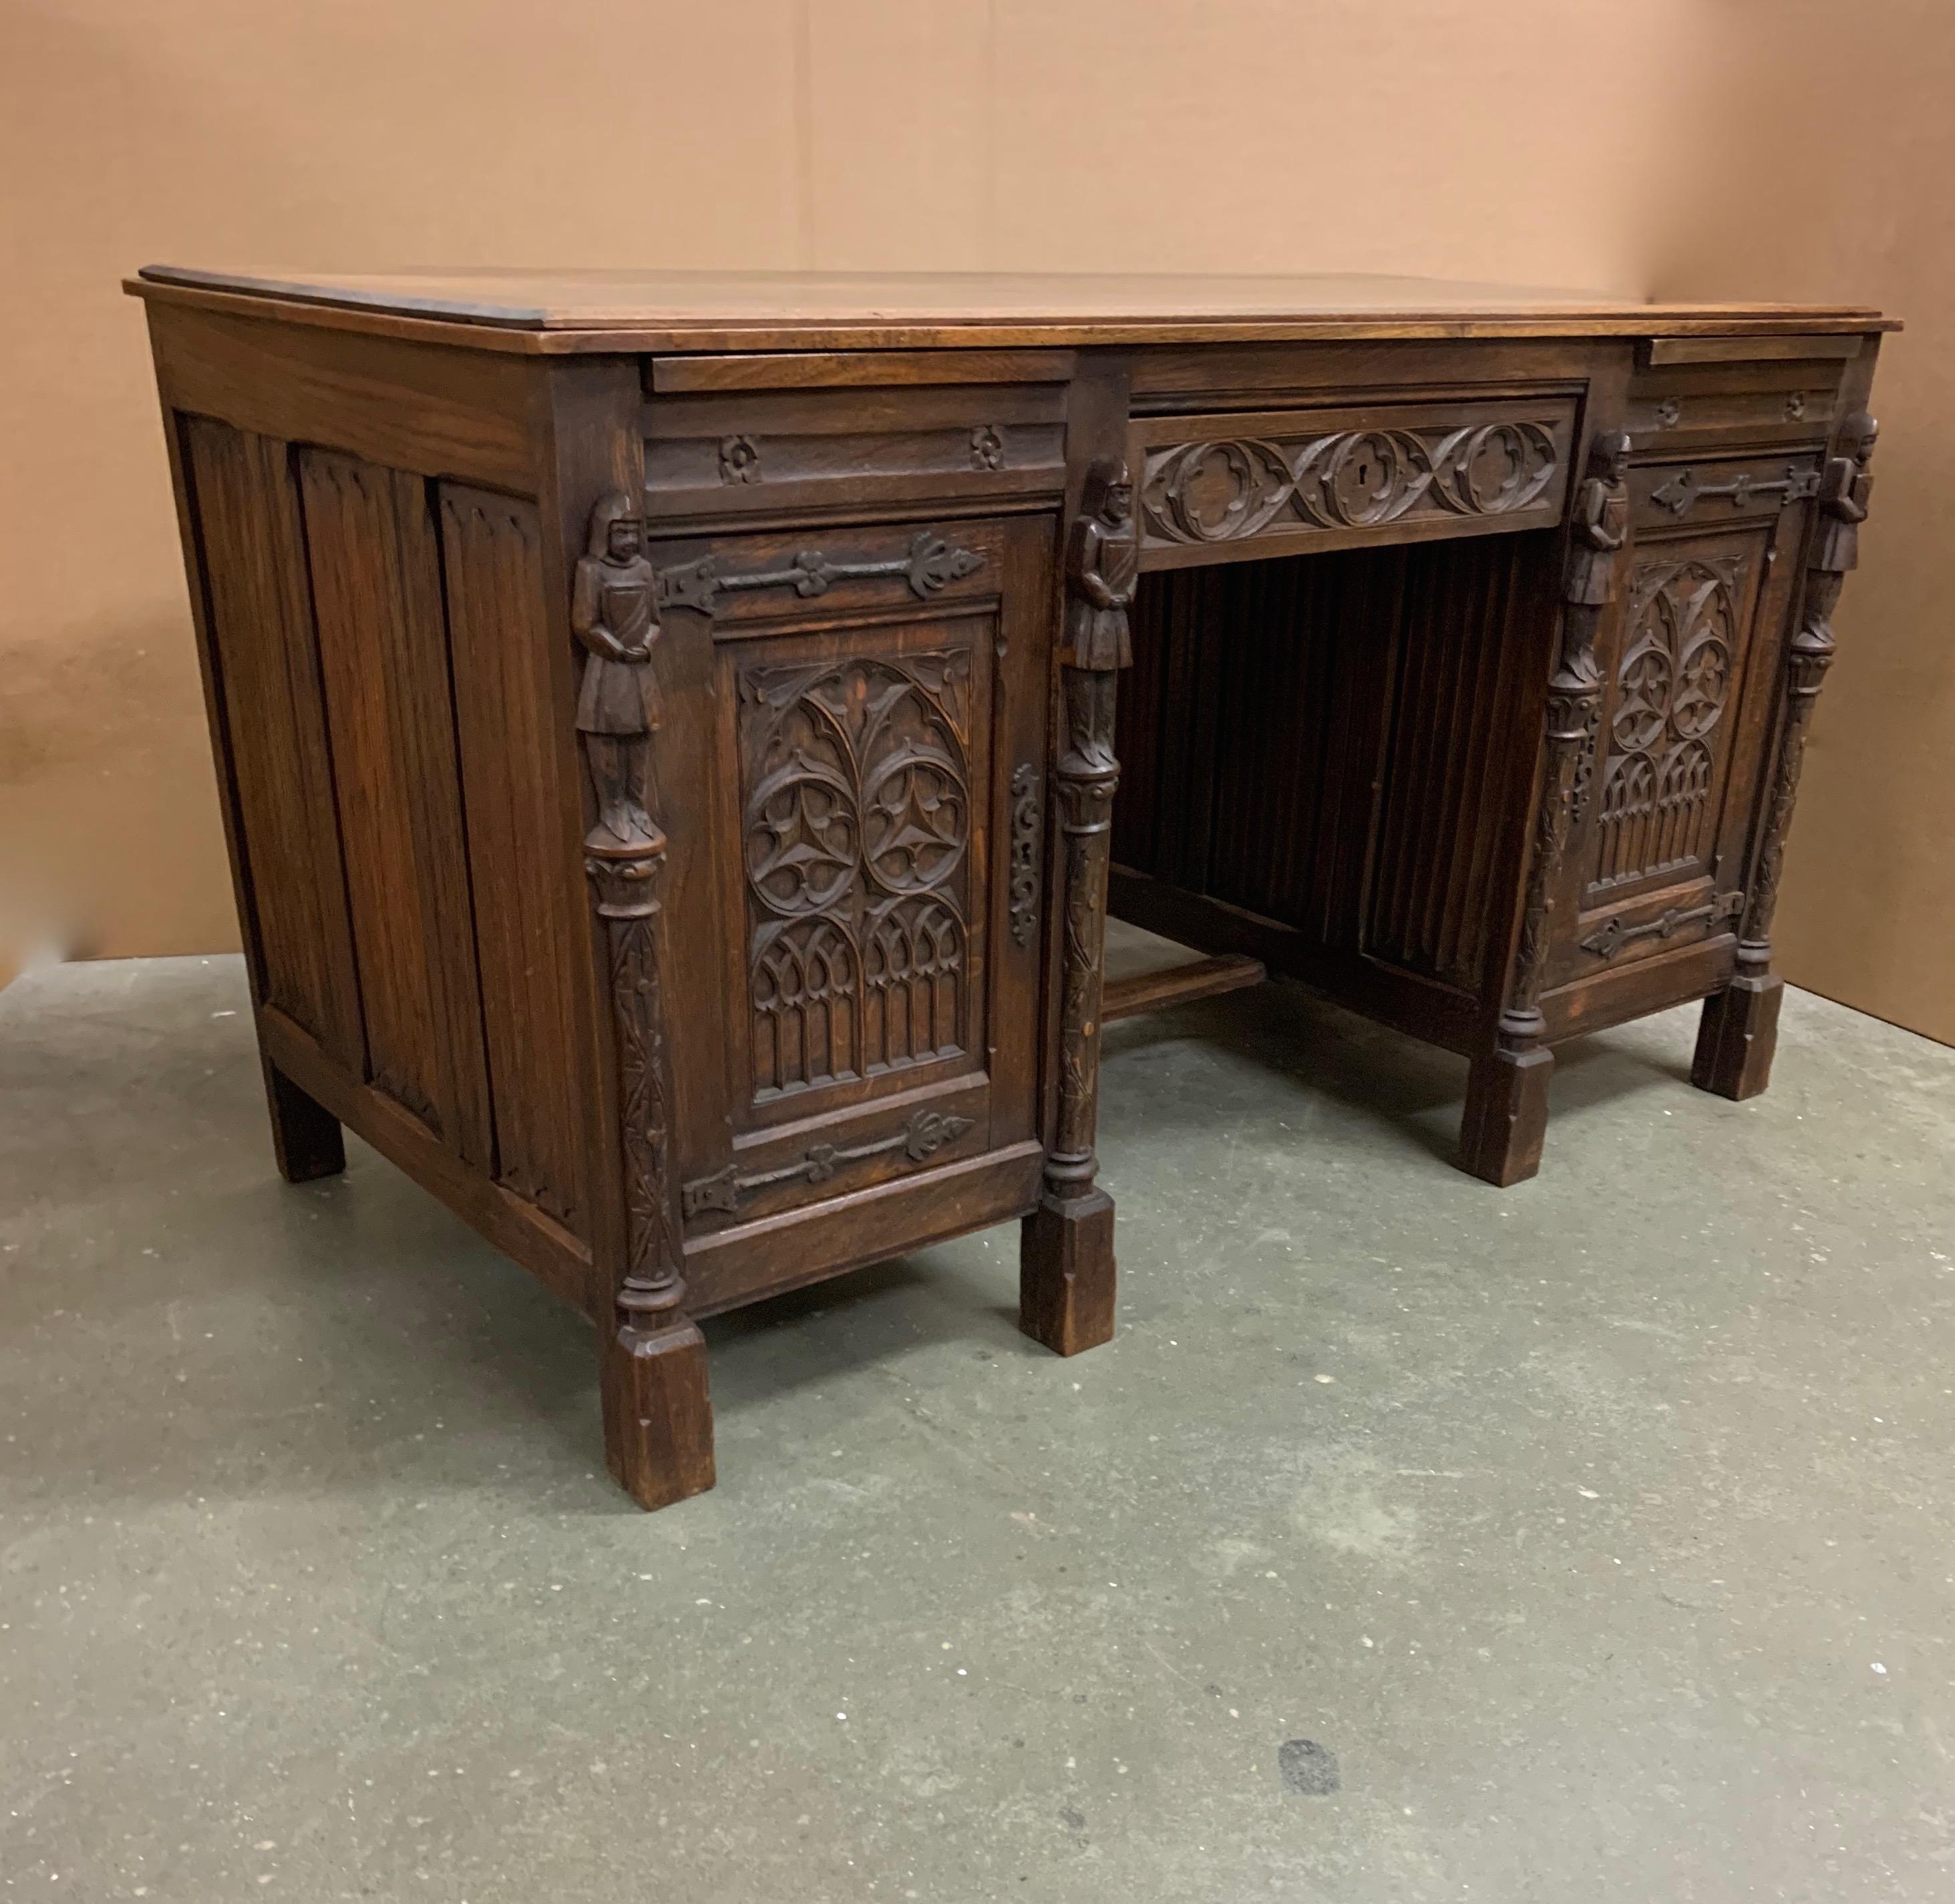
(1102, 562)
(1845, 490)
(1601, 523)
(614, 613)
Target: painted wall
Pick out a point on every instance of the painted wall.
(1537, 142)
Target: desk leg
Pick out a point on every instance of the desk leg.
(1506, 1121)
(306, 1136)
(1065, 1254)
(658, 1413)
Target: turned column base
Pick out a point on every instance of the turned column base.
(1506, 1119)
(306, 1137)
(658, 1413)
(1737, 1035)
(1066, 1274)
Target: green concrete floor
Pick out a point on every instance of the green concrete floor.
(1592, 1539)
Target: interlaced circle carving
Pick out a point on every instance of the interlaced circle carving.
(1222, 491)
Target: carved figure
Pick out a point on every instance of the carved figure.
(614, 612)
(1601, 524)
(1102, 562)
(1845, 490)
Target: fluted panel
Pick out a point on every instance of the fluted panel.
(1453, 752)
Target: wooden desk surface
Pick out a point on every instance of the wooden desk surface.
(590, 311)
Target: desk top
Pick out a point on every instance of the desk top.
(556, 312)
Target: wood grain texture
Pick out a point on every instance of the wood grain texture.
(611, 311)
(376, 565)
(269, 710)
(1178, 986)
(515, 767)
(675, 802)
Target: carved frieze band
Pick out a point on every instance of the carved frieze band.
(923, 1134)
(931, 564)
(1226, 490)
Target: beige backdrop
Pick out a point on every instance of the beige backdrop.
(1681, 147)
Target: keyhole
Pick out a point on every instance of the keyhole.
(1365, 474)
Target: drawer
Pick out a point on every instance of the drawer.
(740, 454)
(1280, 482)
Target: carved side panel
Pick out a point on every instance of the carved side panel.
(513, 767)
(265, 662)
(1668, 725)
(858, 802)
(376, 577)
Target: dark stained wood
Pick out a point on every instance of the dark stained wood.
(1178, 986)
(269, 720)
(307, 1136)
(516, 780)
(680, 738)
(716, 312)
(401, 404)
(377, 587)
(555, 1258)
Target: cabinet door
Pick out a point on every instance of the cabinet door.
(857, 835)
(1691, 668)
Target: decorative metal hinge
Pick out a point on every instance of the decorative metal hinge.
(923, 1134)
(931, 564)
(1683, 492)
(1609, 939)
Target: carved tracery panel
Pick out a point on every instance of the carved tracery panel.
(857, 792)
(1668, 723)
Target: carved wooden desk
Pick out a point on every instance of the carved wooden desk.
(669, 738)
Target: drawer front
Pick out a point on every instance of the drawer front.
(1278, 482)
(860, 886)
(724, 455)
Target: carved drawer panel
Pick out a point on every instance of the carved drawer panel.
(1278, 482)
(728, 455)
(860, 796)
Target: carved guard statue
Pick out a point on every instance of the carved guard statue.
(614, 613)
(1102, 566)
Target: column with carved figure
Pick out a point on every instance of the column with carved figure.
(1506, 1120)
(1739, 1032)
(1067, 1271)
(658, 1415)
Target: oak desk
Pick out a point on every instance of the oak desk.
(675, 781)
